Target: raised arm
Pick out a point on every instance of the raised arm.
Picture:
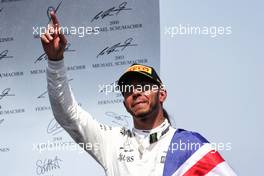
(85, 130)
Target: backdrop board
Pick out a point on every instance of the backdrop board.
(104, 38)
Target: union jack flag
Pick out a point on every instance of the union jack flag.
(190, 154)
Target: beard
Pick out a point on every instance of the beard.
(151, 111)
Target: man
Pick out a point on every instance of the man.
(147, 149)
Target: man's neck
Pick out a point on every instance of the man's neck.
(151, 122)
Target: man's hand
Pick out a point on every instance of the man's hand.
(53, 41)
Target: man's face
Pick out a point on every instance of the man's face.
(142, 98)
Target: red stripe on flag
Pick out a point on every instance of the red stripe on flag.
(205, 165)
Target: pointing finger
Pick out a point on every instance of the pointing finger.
(54, 19)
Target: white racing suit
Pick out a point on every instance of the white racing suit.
(120, 151)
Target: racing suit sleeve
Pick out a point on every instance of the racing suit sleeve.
(78, 123)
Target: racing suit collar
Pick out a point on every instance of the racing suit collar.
(154, 134)
(147, 137)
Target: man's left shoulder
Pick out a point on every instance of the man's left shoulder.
(190, 136)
